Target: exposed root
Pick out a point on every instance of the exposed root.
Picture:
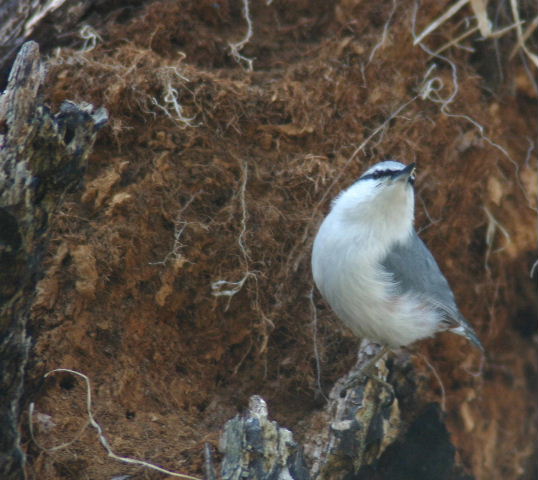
(172, 107)
(438, 378)
(534, 268)
(531, 203)
(484, 26)
(90, 37)
(244, 213)
(175, 254)
(455, 42)
(431, 220)
(228, 288)
(235, 48)
(493, 225)
(315, 341)
(101, 435)
(433, 86)
(384, 34)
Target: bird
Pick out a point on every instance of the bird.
(375, 272)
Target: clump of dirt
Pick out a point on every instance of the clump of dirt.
(178, 279)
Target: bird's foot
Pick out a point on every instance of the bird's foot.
(360, 377)
(388, 388)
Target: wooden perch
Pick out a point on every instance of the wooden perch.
(41, 156)
(355, 428)
(360, 435)
(361, 422)
(255, 447)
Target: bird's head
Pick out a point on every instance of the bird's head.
(386, 177)
(382, 196)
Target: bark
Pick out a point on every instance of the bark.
(256, 448)
(42, 20)
(359, 435)
(360, 423)
(41, 156)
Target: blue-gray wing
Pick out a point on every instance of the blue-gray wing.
(415, 270)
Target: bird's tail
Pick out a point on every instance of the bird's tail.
(465, 330)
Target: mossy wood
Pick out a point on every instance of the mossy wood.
(42, 155)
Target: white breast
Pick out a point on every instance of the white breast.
(351, 242)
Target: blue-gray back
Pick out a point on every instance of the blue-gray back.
(415, 270)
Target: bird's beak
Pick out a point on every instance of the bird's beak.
(403, 175)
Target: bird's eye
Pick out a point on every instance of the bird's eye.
(376, 175)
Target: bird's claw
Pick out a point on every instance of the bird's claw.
(361, 376)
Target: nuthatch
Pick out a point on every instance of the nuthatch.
(375, 272)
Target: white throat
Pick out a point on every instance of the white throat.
(377, 218)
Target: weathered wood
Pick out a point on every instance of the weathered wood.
(256, 448)
(41, 155)
(356, 427)
(22, 20)
(359, 435)
(360, 422)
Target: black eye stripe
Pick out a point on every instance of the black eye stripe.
(379, 174)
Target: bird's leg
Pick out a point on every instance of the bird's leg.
(366, 370)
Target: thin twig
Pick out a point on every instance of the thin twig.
(438, 378)
(315, 341)
(439, 21)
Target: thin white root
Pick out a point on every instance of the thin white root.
(439, 381)
(90, 37)
(172, 107)
(457, 40)
(315, 340)
(226, 288)
(244, 213)
(525, 36)
(180, 225)
(235, 48)
(491, 229)
(534, 268)
(385, 32)
(433, 86)
(102, 438)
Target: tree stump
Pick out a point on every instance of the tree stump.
(42, 155)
